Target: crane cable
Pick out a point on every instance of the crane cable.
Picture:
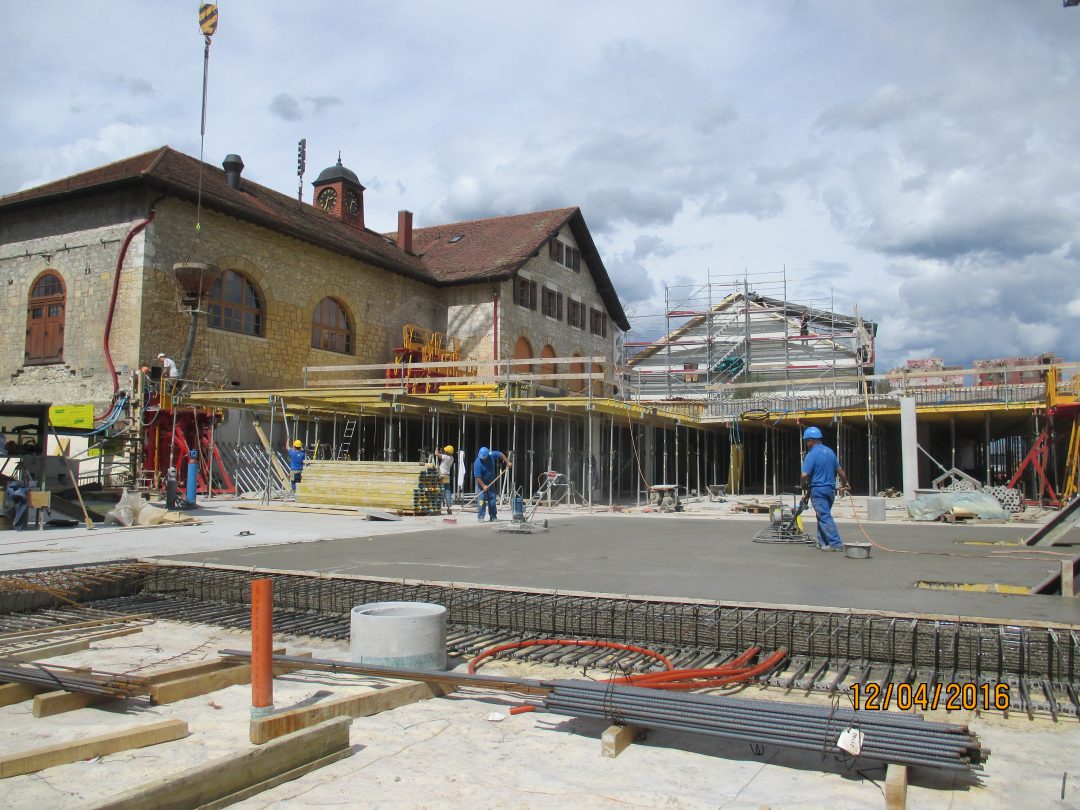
(208, 20)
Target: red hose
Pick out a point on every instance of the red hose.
(135, 230)
(734, 671)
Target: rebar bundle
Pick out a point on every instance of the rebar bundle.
(59, 678)
(887, 737)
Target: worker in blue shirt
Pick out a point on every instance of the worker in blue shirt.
(820, 469)
(485, 475)
(296, 462)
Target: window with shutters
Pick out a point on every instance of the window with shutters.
(598, 322)
(575, 314)
(564, 254)
(552, 304)
(236, 305)
(331, 327)
(525, 293)
(45, 320)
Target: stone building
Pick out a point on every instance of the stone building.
(299, 285)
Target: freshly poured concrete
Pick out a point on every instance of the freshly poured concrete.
(683, 556)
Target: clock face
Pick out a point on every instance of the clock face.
(327, 199)
(352, 202)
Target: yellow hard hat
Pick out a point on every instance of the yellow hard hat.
(298, 443)
(448, 449)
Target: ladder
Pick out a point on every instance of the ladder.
(346, 440)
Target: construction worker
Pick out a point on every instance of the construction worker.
(168, 367)
(820, 469)
(296, 462)
(484, 473)
(446, 466)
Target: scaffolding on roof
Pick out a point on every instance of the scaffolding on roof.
(731, 330)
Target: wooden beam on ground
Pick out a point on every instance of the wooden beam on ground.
(616, 738)
(37, 759)
(364, 704)
(63, 628)
(230, 778)
(11, 693)
(212, 680)
(174, 673)
(55, 649)
(896, 780)
(47, 704)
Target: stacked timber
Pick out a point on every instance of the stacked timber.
(399, 486)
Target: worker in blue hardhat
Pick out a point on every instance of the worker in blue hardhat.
(820, 469)
(485, 473)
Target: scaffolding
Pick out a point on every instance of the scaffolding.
(740, 329)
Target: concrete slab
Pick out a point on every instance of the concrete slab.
(698, 559)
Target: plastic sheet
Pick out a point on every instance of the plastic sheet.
(931, 506)
(126, 511)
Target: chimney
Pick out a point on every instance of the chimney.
(233, 165)
(404, 230)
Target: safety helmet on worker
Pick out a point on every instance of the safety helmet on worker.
(448, 449)
(484, 452)
(812, 433)
(298, 443)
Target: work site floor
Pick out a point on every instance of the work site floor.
(465, 750)
(687, 557)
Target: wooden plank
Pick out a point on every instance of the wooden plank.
(896, 781)
(55, 649)
(365, 704)
(37, 759)
(280, 779)
(229, 775)
(213, 680)
(50, 650)
(616, 738)
(179, 671)
(49, 703)
(11, 693)
(64, 628)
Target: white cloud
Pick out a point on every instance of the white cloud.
(916, 159)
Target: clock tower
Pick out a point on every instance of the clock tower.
(340, 195)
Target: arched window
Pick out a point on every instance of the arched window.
(331, 328)
(548, 370)
(577, 386)
(45, 320)
(522, 351)
(236, 305)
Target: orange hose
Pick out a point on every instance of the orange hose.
(734, 671)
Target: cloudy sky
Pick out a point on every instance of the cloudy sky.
(916, 158)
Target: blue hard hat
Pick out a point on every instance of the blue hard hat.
(811, 433)
(484, 452)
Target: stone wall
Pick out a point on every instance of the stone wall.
(292, 277)
(542, 330)
(80, 241)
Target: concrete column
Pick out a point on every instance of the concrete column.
(909, 451)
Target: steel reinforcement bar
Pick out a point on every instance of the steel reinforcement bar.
(943, 648)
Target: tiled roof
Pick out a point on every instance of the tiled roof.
(495, 248)
(165, 169)
(488, 248)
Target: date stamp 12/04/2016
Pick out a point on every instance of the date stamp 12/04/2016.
(952, 696)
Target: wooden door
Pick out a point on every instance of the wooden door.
(45, 321)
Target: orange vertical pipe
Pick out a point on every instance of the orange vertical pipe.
(262, 636)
